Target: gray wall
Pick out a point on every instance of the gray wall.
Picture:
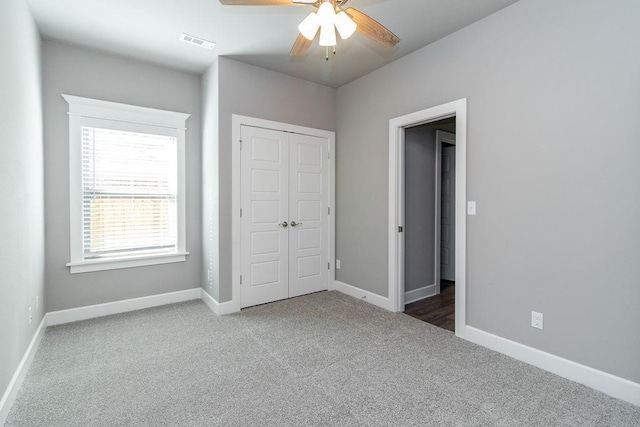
(210, 187)
(419, 216)
(21, 185)
(80, 72)
(553, 149)
(251, 91)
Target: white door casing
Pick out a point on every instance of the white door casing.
(448, 219)
(265, 208)
(308, 212)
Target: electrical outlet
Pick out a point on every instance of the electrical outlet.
(30, 316)
(338, 264)
(537, 320)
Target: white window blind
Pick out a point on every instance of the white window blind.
(129, 193)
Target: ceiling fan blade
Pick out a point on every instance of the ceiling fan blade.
(256, 2)
(372, 28)
(300, 46)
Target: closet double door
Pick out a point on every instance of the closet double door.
(284, 223)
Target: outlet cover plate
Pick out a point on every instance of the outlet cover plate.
(537, 320)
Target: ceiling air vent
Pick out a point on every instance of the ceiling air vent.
(197, 41)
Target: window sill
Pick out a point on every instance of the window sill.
(129, 262)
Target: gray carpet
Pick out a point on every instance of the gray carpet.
(322, 359)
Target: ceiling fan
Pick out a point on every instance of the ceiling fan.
(325, 20)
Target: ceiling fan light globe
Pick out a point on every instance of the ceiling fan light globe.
(327, 35)
(326, 13)
(309, 27)
(345, 25)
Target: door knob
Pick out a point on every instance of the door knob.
(284, 224)
(295, 224)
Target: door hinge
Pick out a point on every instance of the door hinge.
(328, 211)
(241, 280)
(240, 141)
(400, 229)
(329, 266)
(240, 212)
(328, 155)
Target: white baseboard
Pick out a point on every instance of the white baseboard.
(363, 295)
(107, 309)
(612, 385)
(227, 308)
(21, 371)
(219, 308)
(420, 293)
(208, 299)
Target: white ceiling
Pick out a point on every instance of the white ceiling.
(149, 30)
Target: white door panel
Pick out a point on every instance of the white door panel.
(309, 238)
(308, 251)
(283, 178)
(309, 210)
(265, 196)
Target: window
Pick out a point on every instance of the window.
(126, 185)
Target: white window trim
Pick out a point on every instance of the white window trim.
(85, 107)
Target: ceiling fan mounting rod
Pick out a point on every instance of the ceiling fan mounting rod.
(336, 3)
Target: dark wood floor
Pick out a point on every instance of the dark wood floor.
(439, 310)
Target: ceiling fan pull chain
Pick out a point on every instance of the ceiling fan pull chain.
(327, 53)
(334, 50)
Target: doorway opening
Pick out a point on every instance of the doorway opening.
(429, 221)
(433, 257)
